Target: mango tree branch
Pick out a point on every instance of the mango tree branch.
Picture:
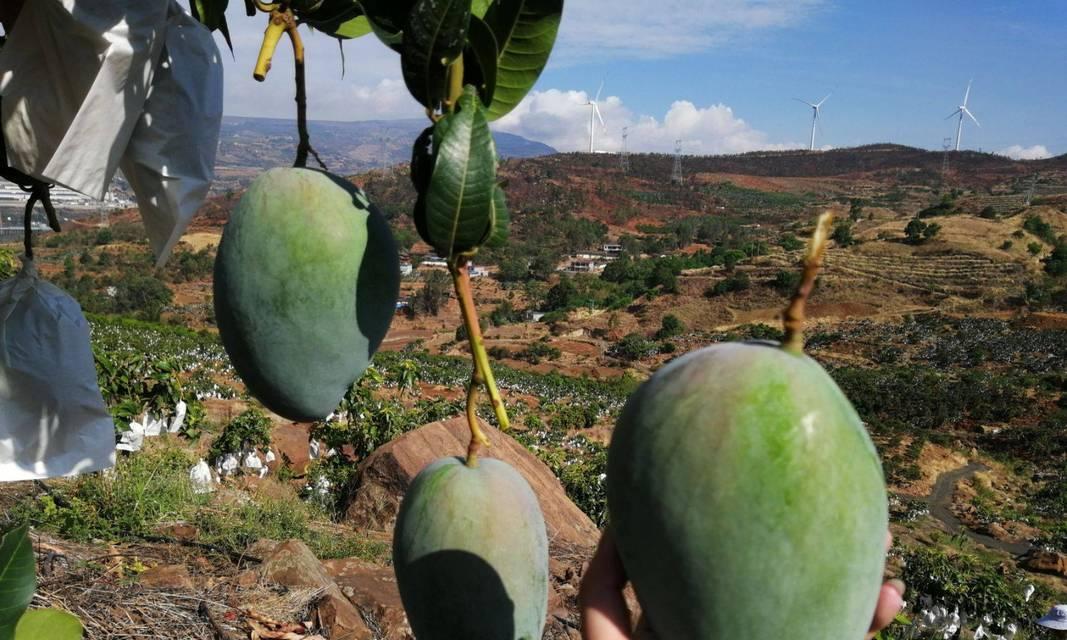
(462, 283)
(794, 317)
(303, 147)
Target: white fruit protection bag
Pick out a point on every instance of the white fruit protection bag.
(90, 86)
(53, 421)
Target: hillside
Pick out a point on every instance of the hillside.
(250, 145)
(937, 313)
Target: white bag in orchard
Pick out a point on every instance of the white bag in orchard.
(90, 86)
(53, 421)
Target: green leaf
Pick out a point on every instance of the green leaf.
(459, 201)
(337, 18)
(388, 19)
(479, 7)
(52, 624)
(18, 578)
(212, 14)
(501, 220)
(434, 38)
(479, 60)
(525, 32)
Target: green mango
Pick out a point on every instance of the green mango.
(747, 499)
(471, 553)
(306, 282)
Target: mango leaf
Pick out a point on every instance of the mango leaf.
(501, 220)
(459, 201)
(212, 14)
(479, 60)
(18, 578)
(388, 19)
(525, 33)
(434, 38)
(48, 623)
(337, 18)
(479, 7)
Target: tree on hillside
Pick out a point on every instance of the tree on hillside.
(433, 295)
(918, 231)
(670, 326)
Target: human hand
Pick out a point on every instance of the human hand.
(605, 615)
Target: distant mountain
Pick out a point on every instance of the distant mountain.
(250, 145)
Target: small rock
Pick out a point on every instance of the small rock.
(167, 577)
(247, 579)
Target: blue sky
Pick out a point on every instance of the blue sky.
(721, 75)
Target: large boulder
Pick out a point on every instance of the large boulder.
(1049, 562)
(385, 475)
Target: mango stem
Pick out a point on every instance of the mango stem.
(277, 24)
(462, 283)
(793, 318)
(478, 437)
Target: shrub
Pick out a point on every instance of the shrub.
(737, 282)
(842, 234)
(1034, 248)
(104, 236)
(786, 282)
(790, 242)
(670, 326)
(633, 346)
(249, 429)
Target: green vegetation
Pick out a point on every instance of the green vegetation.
(1035, 225)
(738, 281)
(918, 232)
(433, 295)
(250, 429)
(746, 200)
(670, 326)
(152, 488)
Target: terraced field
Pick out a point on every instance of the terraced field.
(959, 274)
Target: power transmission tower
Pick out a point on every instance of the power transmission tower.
(946, 145)
(624, 159)
(676, 174)
(1030, 191)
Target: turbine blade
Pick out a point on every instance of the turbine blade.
(596, 108)
(597, 98)
(968, 93)
(971, 116)
(819, 104)
(953, 114)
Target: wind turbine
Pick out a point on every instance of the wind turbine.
(594, 110)
(960, 111)
(814, 116)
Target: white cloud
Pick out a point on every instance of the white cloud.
(596, 29)
(561, 119)
(1019, 152)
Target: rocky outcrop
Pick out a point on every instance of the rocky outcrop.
(293, 565)
(373, 590)
(385, 475)
(1049, 562)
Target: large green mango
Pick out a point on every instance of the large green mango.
(306, 283)
(747, 499)
(471, 554)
